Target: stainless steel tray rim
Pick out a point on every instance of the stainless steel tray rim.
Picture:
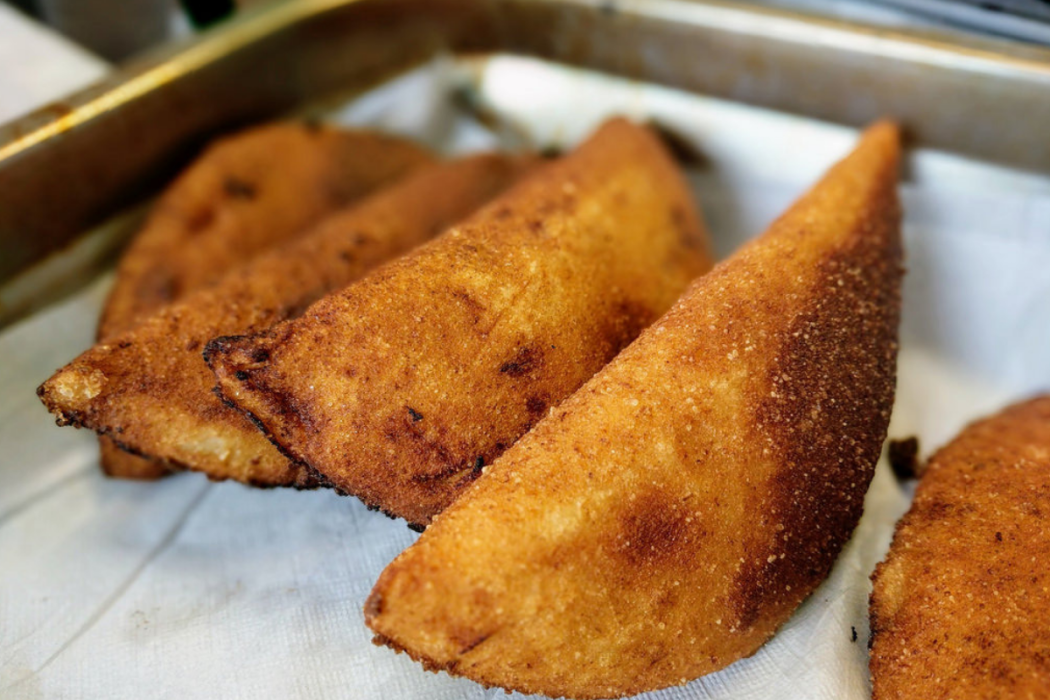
(69, 166)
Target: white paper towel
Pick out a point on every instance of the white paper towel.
(37, 65)
(187, 589)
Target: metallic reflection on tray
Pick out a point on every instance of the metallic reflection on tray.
(73, 164)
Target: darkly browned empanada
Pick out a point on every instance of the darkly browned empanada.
(149, 389)
(401, 387)
(246, 193)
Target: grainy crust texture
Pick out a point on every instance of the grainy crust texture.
(244, 194)
(434, 365)
(150, 390)
(667, 518)
(960, 609)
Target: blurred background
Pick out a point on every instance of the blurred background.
(116, 29)
(49, 48)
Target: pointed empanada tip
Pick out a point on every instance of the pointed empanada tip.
(373, 606)
(885, 126)
(884, 133)
(71, 389)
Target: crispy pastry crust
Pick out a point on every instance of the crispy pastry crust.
(243, 195)
(667, 518)
(960, 608)
(400, 388)
(150, 390)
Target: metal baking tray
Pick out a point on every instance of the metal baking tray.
(73, 164)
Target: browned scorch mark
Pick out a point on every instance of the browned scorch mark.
(527, 360)
(823, 427)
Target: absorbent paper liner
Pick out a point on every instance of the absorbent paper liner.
(188, 589)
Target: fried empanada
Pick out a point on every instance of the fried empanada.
(667, 518)
(401, 387)
(150, 390)
(961, 607)
(244, 194)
